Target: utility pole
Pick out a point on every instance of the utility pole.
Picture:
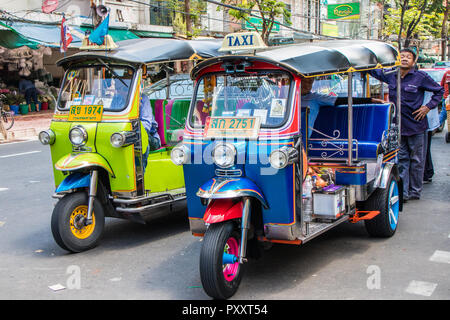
(444, 31)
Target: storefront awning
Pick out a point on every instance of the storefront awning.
(11, 39)
(152, 34)
(20, 34)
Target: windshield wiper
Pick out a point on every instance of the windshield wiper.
(112, 71)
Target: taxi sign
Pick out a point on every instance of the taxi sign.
(232, 127)
(89, 113)
(242, 41)
(108, 44)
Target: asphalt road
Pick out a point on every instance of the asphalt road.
(160, 260)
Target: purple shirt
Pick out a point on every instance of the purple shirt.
(413, 87)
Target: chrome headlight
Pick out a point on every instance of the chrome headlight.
(47, 137)
(123, 138)
(117, 140)
(78, 136)
(282, 157)
(224, 155)
(180, 155)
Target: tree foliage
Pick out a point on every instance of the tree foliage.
(411, 19)
(188, 25)
(268, 10)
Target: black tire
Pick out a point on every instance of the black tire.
(67, 209)
(384, 224)
(211, 268)
(8, 120)
(447, 137)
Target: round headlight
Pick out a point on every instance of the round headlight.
(224, 154)
(180, 155)
(278, 159)
(78, 136)
(47, 137)
(117, 140)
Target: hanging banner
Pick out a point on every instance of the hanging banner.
(343, 11)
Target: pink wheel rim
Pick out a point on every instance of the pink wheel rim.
(230, 270)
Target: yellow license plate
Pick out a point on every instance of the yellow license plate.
(242, 127)
(86, 113)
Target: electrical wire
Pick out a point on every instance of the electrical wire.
(234, 8)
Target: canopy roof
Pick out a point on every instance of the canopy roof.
(143, 51)
(318, 58)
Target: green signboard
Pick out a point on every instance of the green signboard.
(343, 11)
(258, 23)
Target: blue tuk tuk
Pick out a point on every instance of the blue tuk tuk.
(254, 176)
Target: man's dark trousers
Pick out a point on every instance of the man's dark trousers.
(411, 163)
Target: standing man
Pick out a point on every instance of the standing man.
(26, 86)
(414, 123)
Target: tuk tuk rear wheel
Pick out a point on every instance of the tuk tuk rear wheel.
(67, 224)
(220, 281)
(447, 137)
(387, 201)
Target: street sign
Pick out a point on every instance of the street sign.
(343, 11)
(248, 25)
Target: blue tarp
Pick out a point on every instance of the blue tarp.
(47, 35)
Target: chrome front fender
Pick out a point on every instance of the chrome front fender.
(225, 188)
(383, 177)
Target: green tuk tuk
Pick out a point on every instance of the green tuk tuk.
(102, 162)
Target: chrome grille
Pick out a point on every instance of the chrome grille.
(228, 173)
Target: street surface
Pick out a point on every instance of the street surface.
(160, 260)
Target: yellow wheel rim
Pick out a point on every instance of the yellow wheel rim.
(79, 230)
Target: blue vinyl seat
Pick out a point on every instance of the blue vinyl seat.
(369, 123)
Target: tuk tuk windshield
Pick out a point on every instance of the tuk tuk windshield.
(264, 95)
(104, 85)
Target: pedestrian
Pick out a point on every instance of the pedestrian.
(26, 86)
(414, 83)
(444, 82)
(433, 124)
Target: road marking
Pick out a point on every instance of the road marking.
(421, 288)
(440, 256)
(19, 154)
(4, 189)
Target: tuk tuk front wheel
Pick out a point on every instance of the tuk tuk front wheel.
(68, 223)
(387, 201)
(220, 272)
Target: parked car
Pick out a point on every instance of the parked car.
(442, 64)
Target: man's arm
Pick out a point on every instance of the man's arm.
(379, 75)
(438, 91)
(148, 121)
(428, 84)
